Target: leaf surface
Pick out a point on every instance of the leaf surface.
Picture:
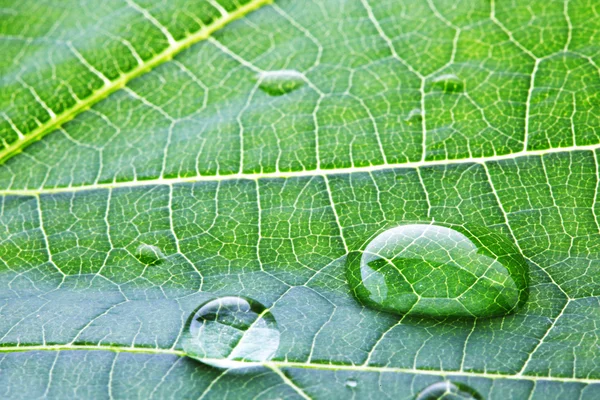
(131, 124)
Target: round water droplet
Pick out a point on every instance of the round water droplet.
(414, 117)
(449, 83)
(440, 270)
(351, 383)
(231, 332)
(280, 82)
(447, 390)
(149, 255)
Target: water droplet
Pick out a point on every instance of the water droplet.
(449, 391)
(280, 82)
(231, 332)
(149, 255)
(414, 117)
(351, 383)
(440, 270)
(449, 83)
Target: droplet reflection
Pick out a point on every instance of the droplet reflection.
(280, 82)
(439, 271)
(231, 332)
(149, 255)
(449, 83)
(447, 390)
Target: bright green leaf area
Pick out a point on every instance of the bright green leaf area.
(137, 129)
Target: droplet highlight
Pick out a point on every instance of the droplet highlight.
(414, 117)
(447, 390)
(149, 254)
(351, 383)
(231, 332)
(439, 270)
(449, 83)
(280, 82)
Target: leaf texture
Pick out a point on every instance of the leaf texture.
(144, 123)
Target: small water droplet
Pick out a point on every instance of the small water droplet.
(414, 117)
(149, 255)
(351, 383)
(231, 332)
(280, 82)
(447, 390)
(440, 270)
(449, 83)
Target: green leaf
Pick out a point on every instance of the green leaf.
(152, 160)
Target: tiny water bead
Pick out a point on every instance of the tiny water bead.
(280, 82)
(231, 332)
(449, 83)
(149, 254)
(439, 270)
(447, 390)
(414, 117)
(351, 383)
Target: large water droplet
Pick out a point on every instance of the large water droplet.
(351, 383)
(439, 270)
(231, 332)
(414, 117)
(448, 83)
(447, 390)
(279, 82)
(149, 255)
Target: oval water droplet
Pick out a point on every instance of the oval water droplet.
(449, 83)
(414, 117)
(231, 332)
(351, 383)
(149, 254)
(440, 270)
(280, 82)
(447, 390)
